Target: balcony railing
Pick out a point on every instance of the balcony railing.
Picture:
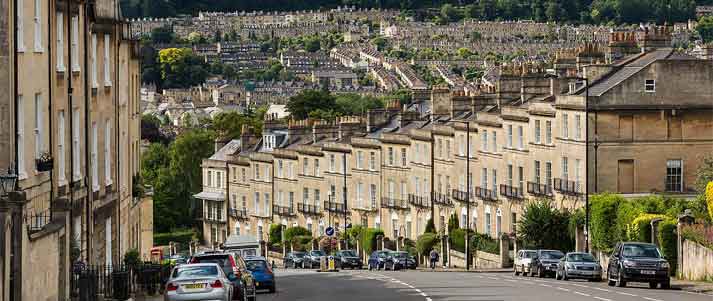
(442, 199)
(462, 196)
(334, 207)
(305, 208)
(511, 192)
(567, 187)
(486, 194)
(536, 189)
(419, 201)
(241, 214)
(391, 203)
(283, 210)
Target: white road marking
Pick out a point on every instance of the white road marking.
(545, 285)
(582, 294)
(602, 299)
(651, 299)
(563, 289)
(493, 278)
(626, 294)
(601, 289)
(511, 280)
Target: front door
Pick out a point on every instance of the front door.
(625, 177)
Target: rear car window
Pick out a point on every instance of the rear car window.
(195, 271)
(222, 260)
(256, 265)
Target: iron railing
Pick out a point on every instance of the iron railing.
(241, 214)
(117, 282)
(567, 187)
(486, 194)
(419, 201)
(334, 207)
(462, 196)
(511, 192)
(283, 210)
(392, 203)
(537, 189)
(308, 209)
(36, 221)
(442, 199)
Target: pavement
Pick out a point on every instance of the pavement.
(454, 285)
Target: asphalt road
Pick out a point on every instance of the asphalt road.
(453, 286)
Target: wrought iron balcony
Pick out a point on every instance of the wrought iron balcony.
(283, 210)
(305, 208)
(567, 187)
(241, 214)
(442, 199)
(486, 194)
(391, 203)
(537, 189)
(462, 196)
(334, 207)
(419, 201)
(511, 192)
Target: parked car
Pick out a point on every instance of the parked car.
(203, 281)
(377, 259)
(545, 263)
(578, 265)
(293, 259)
(523, 262)
(312, 259)
(638, 262)
(399, 260)
(348, 259)
(262, 273)
(243, 283)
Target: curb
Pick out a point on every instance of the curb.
(464, 271)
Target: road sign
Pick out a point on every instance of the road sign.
(329, 231)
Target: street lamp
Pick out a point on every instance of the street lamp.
(7, 182)
(467, 193)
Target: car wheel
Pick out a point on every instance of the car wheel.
(666, 284)
(564, 275)
(653, 285)
(557, 275)
(540, 272)
(620, 280)
(515, 272)
(610, 279)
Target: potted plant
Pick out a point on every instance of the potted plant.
(44, 162)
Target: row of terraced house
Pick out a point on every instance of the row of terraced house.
(632, 117)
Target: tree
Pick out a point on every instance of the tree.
(553, 10)
(152, 161)
(180, 68)
(709, 199)
(449, 13)
(430, 227)
(379, 42)
(162, 35)
(307, 101)
(470, 11)
(705, 29)
(355, 104)
(704, 174)
(151, 129)
(312, 44)
(544, 227)
(229, 125)
(453, 223)
(486, 9)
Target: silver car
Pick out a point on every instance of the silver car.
(198, 282)
(578, 265)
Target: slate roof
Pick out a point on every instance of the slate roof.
(626, 71)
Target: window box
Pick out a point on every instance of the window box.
(44, 163)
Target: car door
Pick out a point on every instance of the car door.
(247, 276)
(518, 259)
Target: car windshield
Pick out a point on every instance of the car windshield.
(317, 253)
(256, 265)
(382, 254)
(529, 254)
(551, 255)
(298, 255)
(195, 271)
(399, 254)
(348, 253)
(641, 251)
(580, 257)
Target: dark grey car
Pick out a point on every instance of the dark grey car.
(312, 259)
(546, 262)
(578, 265)
(638, 262)
(348, 259)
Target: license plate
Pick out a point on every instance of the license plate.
(194, 286)
(648, 272)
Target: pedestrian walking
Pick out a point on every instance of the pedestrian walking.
(433, 258)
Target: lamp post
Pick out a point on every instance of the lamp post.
(467, 194)
(586, 160)
(7, 182)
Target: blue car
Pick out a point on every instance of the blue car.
(262, 273)
(377, 260)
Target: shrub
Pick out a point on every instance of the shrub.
(275, 234)
(576, 220)
(453, 223)
(543, 226)
(426, 242)
(368, 239)
(410, 246)
(389, 244)
(627, 211)
(182, 237)
(603, 221)
(296, 231)
(430, 226)
(485, 243)
(709, 199)
(328, 244)
(699, 233)
(669, 242)
(302, 243)
(132, 257)
(640, 227)
(457, 239)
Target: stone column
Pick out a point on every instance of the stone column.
(655, 231)
(504, 252)
(579, 239)
(683, 220)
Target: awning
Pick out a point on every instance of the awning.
(211, 196)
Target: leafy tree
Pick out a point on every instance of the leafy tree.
(704, 174)
(229, 125)
(470, 11)
(709, 199)
(162, 35)
(152, 161)
(307, 101)
(312, 44)
(151, 129)
(705, 29)
(449, 13)
(486, 9)
(430, 226)
(275, 234)
(453, 223)
(379, 42)
(427, 242)
(180, 68)
(355, 104)
(544, 227)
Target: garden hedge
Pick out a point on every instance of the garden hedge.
(426, 242)
(368, 239)
(484, 243)
(669, 241)
(183, 237)
(603, 221)
(640, 227)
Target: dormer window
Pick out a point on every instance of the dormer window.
(650, 86)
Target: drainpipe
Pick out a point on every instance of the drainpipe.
(50, 72)
(87, 92)
(433, 177)
(71, 124)
(15, 289)
(117, 179)
(227, 197)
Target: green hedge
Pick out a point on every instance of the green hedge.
(640, 227)
(292, 232)
(368, 239)
(426, 242)
(603, 219)
(485, 243)
(669, 242)
(275, 234)
(183, 237)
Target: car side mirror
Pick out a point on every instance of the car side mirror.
(232, 277)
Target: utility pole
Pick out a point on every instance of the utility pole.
(467, 198)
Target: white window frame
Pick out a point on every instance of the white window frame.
(95, 79)
(494, 145)
(332, 163)
(107, 242)
(520, 137)
(76, 148)
(360, 160)
(538, 129)
(39, 142)
(21, 138)
(484, 141)
(60, 41)
(75, 44)
(565, 125)
(107, 153)
(510, 134)
(650, 86)
(37, 20)
(20, 29)
(548, 132)
(565, 168)
(577, 127)
(61, 149)
(107, 60)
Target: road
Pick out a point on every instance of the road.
(453, 286)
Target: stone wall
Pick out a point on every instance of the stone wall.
(485, 260)
(457, 259)
(697, 262)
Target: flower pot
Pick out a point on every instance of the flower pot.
(45, 165)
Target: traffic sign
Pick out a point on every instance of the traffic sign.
(329, 231)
